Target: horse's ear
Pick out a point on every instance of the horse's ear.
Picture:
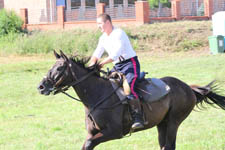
(63, 56)
(57, 56)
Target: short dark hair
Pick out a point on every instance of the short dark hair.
(105, 17)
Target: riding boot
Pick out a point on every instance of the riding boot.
(136, 114)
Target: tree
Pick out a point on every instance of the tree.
(157, 3)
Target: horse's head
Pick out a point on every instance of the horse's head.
(58, 76)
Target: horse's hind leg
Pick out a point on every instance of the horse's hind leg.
(162, 134)
(167, 132)
(171, 133)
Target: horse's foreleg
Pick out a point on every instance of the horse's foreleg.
(103, 136)
(89, 136)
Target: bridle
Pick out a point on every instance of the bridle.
(57, 89)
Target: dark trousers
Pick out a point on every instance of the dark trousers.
(131, 69)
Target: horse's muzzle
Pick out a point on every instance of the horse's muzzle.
(44, 89)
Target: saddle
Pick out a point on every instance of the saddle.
(148, 89)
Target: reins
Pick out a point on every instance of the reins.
(102, 100)
(74, 83)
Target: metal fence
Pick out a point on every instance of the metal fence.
(79, 14)
(160, 12)
(193, 8)
(188, 8)
(218, 5)
(37, 16)
(121, 11)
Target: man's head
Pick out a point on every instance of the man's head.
(104, 23)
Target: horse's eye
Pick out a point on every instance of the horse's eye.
(60, 68)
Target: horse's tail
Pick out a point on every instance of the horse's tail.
(209, 94)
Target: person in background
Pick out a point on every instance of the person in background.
(120, 52)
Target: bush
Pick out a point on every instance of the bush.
(10, 22)
(37, 42)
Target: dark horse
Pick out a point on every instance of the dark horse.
(107, 119)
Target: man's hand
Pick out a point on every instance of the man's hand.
(101, 65)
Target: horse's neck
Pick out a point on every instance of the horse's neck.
(92, 89)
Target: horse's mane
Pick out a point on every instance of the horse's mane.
(82, 62)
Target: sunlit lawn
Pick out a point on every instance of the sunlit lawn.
(30, 121)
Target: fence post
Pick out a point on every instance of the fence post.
(100, 8)
(208, 6)
(142, 11)
(175, 8)
(24, 16)
(2, 4)
(60, 16)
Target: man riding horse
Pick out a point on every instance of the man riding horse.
(120, 52)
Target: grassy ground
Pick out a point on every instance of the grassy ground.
(30, 121)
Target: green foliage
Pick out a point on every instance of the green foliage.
(200, 11)
(186, 45)
(155, 3)
(9, 22)
(36, 42)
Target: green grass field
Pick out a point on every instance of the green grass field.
(30, 121)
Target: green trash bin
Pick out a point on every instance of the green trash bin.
(216, 44)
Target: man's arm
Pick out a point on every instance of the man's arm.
(93, 61)
(105, 61)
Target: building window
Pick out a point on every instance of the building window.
(104, 1)
(131, 2)
(118, 2)
(75, 4)
(90, 3)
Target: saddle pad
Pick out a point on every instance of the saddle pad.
(152, 89)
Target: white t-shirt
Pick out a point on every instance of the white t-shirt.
(117, 44)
